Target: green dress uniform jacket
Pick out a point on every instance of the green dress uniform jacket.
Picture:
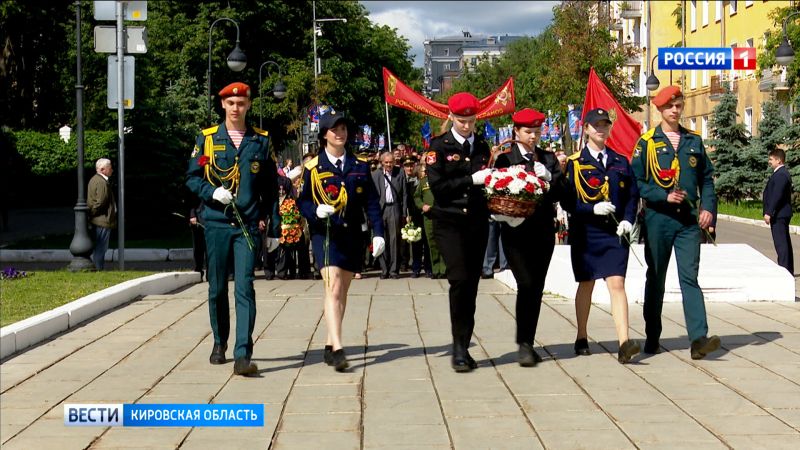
(669, 225)
(424, 196)
(254, 198)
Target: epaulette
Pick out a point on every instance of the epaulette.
(693, 132)
(648, 134)
(574, 156)
(210, 130)
(260, 131)
(362, 158)
(311, 163)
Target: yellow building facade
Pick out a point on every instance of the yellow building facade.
(707, 23)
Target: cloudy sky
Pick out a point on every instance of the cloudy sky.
(420, 20)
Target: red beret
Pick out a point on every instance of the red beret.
(237, 89)
(666, 95)
(528, 117)
(463, 104)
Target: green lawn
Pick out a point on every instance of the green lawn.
(174, 240)
(750, 209)
(41, 291)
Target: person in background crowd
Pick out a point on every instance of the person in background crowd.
(102, 206)
(390, 182)
(673, 172)
(457, 167)
(337, 193)
(778, 208)
(417, 249)
(562, 217)
(529, 243)
(423, 199)
(494, 252)
(198, 236)
(234, 173)
(603, 199)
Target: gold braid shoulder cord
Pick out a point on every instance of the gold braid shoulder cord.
(602, 190)
(321, 197)
(231, 174)
(653, 168)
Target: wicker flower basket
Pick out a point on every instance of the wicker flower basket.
(509, 206)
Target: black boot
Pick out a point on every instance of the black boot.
(243, 366)
(704, 345)
(218, 354)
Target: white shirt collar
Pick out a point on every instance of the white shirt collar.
(103, 175)
(776, 169)
(460, 139)
(595, 153)
(333, 159)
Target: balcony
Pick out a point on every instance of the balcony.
(719, 85)
(631, 10)
(634, 60)
(617, 25)
(771, 81)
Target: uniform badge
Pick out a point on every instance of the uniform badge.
(637, 151)
(622, 184)
(449, 157)
(456, 157)
(430, 158)
(359, 190)
(693, 161)
(195, 151)
(255, 167)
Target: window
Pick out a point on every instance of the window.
(733, 6)
(446, 52)
(704, 127)
(748, 3)
(692, 124)
(704, 79)
(693, 15)
(446, 67)
(748, 120)
(718, 10)
(750, 42)
(693, 79)
(705, 13)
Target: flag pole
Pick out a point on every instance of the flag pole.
(388, 130)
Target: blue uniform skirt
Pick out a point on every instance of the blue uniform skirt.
(345, 249)
(597, 252)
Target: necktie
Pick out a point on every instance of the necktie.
(529, 156)
(467, 148)
(600, 159)
(339, 164)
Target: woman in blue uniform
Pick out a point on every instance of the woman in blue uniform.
(602, 197)
(337, 192)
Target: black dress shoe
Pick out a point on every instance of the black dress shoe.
(471, 362)
(628, 350)
(429, 274)
(651, 347)
(462, 361)
(394, 276)
(527, 356)
(218, 354)
(582, 347)
(486, 276)
(327, 355)
(415, 275)
(384, 276)
(339, 360)
(704, 345)
(243, 366)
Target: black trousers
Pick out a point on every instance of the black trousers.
(529, 249)
(198, 248)
(783, 243)
(462, 243)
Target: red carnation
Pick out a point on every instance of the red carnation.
(666, 173)
(332, 190)
(522, 175)
(503, 183)
(488, 180)
(203, 161)
(594, 182)
(530, 188)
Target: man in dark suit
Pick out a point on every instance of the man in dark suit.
(390, 181)
(778, 208)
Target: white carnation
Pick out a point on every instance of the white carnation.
(516, 186)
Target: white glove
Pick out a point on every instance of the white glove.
(604, 208)
(541, 171)
(624, 227)
(511, 221)
(480, 176)
(272, 244)
(378, 246)
(325, 211)
(222, 195)
(294, 173)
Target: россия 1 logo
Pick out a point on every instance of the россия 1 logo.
(707, 58)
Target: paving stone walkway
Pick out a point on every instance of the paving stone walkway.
(400, 391)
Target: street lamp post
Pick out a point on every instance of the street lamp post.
(237, 60)
(651, 84)
(317, 31)
(81, 244)
(784, 54)
(279, 90)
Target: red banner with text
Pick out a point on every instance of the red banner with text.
(399, 94)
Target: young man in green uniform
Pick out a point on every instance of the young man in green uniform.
(234, 174)
(673, 172)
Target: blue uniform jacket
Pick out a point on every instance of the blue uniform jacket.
(361, 196)
(622, 189)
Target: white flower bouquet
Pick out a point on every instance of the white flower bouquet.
(410, 233)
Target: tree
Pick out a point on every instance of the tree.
(732, 161)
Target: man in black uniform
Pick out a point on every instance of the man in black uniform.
(457, 168)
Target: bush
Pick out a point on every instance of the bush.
(45, 154)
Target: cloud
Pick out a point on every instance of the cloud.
(418, 21)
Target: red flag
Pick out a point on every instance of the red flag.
(399, 94)
(626, 130)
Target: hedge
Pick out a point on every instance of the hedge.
(46, 154)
